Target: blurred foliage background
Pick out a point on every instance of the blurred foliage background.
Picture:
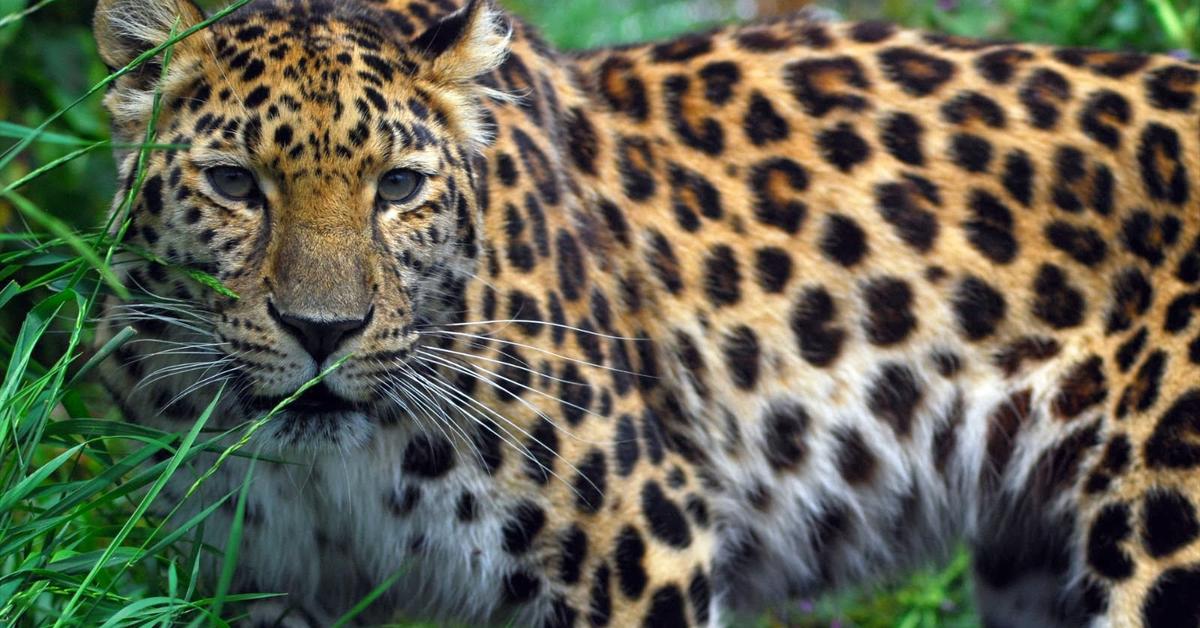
(48, 59)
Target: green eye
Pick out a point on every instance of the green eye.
(232, 182)
(399, 185)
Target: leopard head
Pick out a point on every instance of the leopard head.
(322, 167)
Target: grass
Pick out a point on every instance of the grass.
(83, 534)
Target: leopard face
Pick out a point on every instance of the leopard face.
(328, 181)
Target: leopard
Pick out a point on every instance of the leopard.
(659, 334)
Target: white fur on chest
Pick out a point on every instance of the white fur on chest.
(328, 531)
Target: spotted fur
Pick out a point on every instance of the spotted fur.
(672, 330)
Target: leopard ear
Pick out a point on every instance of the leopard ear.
(124, 29)
(465, 44)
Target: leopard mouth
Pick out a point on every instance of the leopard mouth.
(316, 400)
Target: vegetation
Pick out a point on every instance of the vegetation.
(77, 545)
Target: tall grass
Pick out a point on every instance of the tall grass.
(79, 545)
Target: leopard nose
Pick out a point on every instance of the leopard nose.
(319, 337)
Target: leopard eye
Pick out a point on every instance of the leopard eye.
(233, 182)
(399, 185)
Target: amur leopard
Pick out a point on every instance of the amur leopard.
(664, 333)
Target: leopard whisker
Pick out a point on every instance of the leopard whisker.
(520, 321)
(524, 450)
(460, 368)
(457, 334)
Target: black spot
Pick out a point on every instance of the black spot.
(773, 269)
(520, 587)
(786, 424)
(762, 124)
(1083, 387)
(1018, 176)
(582, 141)
(572, 274)
(771, 183)
(999, 66)
(1004, 423)
(978, 307)
(662, 261)
(1173, 443)
(901, 135)
(742, 355)
(403, 503)
(487, 444)
(888, 305)
(152, 195)
(843, 147)
(919, 73)
(506, 169)
(1179, 312)
(1108, 532)
(283, 136)
(843, 241)
(719, 79)
(591, 482)
(525, 522)
(990, 228)
(666, 520)
(822, 85)
(574, 552)
(705, 135)
(894, 396)
(628, 553)
(428, 456)
(626, 445)
(1132, 295)
(871, 32)
(1103, 116)
(855, 459)
(652, 434)
(466, 509)
(693, 195)
(1161, 163)
(1055, 300)
(1172, 600)
(1084, 244)
(900, 204)
(700, 595)
(257, 96)
(811, 320)
(1012, 357)
(1149, 238)
(1168, 522)
(666, 609)
(1129, 350)
(560, 615)
(1143, 392)
(968, 107)
(1172, 87)
(970, 152)
(683, 48)
(722, 277)
(1102, 62)
(622, 88)
(543, 451)
(1042, 94)
(636, 165)
(600, 604)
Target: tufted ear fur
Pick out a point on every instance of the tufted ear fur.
(465, 44)
(125, 29)
(459, 49)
